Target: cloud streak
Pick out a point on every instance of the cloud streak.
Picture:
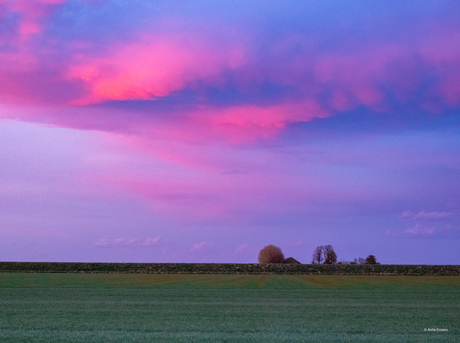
(426, 216)
(198, 247)
(125, 242)
(428, 225)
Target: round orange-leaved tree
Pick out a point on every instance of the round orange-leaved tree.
(271, 254)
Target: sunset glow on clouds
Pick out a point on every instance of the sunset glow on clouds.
(222, 127)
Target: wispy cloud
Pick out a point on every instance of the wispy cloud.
(419, 231)
(199, 246)
(151, 241)
(422, 229)
(126, 242)
(425, 215)
(241, 248)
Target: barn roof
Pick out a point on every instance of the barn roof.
(291, 260)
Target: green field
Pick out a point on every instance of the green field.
(39, 307)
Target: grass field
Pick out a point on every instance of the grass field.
(227, 308)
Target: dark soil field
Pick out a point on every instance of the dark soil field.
(43, 307)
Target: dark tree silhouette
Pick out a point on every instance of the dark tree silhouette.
(329, 254)
(371, 259)
(318, 255)
(271, 254)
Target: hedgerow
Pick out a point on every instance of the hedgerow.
(230, 268)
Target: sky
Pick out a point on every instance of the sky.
(202, 131)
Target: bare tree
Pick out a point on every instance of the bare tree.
(329, 254)
(271, 254)
(318, 255)
(371, 259)
(361, 260)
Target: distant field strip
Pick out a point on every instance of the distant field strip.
(75, 280)
(40, 307)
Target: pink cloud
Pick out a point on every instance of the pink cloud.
(187, 197)
(235, 124)
(354, 75)
(205, 195)
(269, 117)
(243, 124)
(449, 88)
(31, 14)
(153, 66)
(191, 182)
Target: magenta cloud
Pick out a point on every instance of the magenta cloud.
(178, 56)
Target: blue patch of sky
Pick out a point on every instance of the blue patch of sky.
(101, 22)
(8, 29)
(363, 121)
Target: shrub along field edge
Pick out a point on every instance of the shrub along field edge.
(231, 268)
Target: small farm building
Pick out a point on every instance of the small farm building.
(291, 260)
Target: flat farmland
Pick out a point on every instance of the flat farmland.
(52, 307)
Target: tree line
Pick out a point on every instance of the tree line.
(323, 254)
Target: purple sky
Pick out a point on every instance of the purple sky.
(201, 131)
